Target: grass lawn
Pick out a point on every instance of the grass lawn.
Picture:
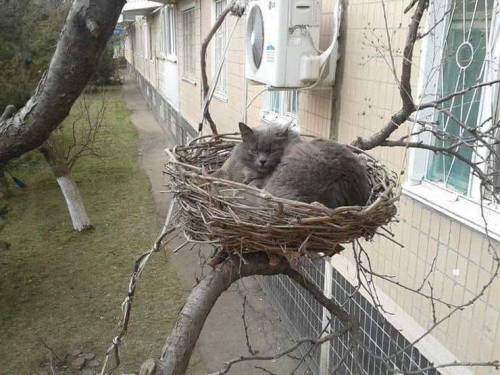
(66, 287)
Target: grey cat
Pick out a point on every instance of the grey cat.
(255, 158)
(320, 171)
(276, 159)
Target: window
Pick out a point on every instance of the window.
(167, 41)
(494, 167)
(462, 49)
(219, 47)
(462, 66)
(459, 56)
(284, 102)
(148, 53)
(188, 40)
(282, 107)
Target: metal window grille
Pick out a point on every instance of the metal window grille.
(170, 31)
(284, 102)
(463, 64)
(188, 41)
(219, 46)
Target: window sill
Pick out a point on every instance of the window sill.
(278, 118)
(221, 96)
(171, 58)
(164, 57)
(457, 207)
(189, 80)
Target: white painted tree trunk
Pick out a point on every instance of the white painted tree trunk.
(74, 201)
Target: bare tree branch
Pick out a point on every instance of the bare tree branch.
(445, 98)
(230, 8)
(182, 339)
(281, 354)
(408, 106)
(88, 27)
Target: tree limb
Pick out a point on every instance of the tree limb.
(434, 103)
(231, 8)
(8, 112)
(408, 106)
(180, 344)
(443, 150)
(185, 333)
(89, 25)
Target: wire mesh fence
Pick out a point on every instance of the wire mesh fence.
(304, 317)
(302, 314)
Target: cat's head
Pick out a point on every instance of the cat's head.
(262, 148)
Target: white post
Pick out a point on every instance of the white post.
(74, 201)
(324, 364)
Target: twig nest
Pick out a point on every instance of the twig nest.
(244, 219)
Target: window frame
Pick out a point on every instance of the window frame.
(220, 91)
(463, 208)
(148, 40)
(168, 42)
(188, 75)
(284, 113)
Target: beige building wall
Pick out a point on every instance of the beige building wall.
(368, 95)
(363, 100)
(314, 115)
(229, 110)
(189, 87)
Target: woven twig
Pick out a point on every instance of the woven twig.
(245, 219)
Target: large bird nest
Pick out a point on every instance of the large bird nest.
(243, 219)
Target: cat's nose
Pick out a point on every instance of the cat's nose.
(262, 161)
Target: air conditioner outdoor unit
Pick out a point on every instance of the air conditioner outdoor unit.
(282, 40)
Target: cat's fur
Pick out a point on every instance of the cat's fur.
(255, 158)
(320, 171)
(276, 159)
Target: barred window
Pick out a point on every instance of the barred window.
(284, 102)
(188, 41)
(463, 60)
(219, 46)
(167, 41)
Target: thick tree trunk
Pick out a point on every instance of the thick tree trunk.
(69, 188)
(182, 340)
(187, 329)
(89, 25)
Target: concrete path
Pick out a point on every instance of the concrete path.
(223, 337)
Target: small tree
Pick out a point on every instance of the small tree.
(66, 146)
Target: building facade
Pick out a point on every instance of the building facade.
(440, 219)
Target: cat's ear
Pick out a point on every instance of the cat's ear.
(285, 131)
(247, 134)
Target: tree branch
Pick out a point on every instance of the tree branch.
(180, 344)
(183, 337)
(87, 29)
(444, 150)
(434, 103)
(408, 106)
(231, 8)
